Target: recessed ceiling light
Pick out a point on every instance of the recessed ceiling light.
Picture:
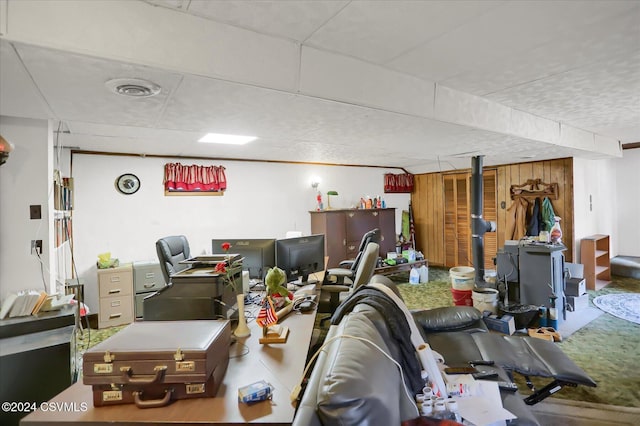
(227, 139)
(134, 87)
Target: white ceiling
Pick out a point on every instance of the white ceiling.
(420, 85)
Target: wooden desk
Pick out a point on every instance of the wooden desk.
(281, 365)
(403, 267)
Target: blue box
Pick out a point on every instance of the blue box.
(258, 391)
(504, 324)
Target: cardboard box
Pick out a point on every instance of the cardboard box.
(575, 287)
(505, 324)
(577, 303)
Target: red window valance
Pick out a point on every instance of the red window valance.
(193, 178)
(398, 182)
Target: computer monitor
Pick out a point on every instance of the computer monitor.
(300, 256)
(259, 254)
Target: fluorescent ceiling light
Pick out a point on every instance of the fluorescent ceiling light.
(228, 139)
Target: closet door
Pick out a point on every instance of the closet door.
(457, 217)
(490, 212)
(457, 213)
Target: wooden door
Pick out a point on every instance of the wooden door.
(457, 226)
(457, 195)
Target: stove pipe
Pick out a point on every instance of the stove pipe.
(478, 225)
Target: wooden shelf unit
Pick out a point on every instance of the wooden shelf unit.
(594, 255)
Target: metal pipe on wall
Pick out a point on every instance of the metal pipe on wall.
(478, 225)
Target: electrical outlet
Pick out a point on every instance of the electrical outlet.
(36, 247)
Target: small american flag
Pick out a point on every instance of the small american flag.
(267, 315)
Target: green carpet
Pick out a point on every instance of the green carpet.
(607, 349)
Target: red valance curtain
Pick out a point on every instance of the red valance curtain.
(180, 177)
(398, 182)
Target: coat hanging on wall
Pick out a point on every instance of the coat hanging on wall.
(193, 178)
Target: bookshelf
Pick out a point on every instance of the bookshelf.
(594, 255)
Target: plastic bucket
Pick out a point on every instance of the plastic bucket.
(462, 277)
(485, 299)
(461, 297)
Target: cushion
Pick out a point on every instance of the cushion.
(361, 386)
(447, 318)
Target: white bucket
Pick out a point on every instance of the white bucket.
(485, 299)
(462, 277)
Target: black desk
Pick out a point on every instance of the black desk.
(35, 359)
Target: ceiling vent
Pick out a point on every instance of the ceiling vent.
(133, 87)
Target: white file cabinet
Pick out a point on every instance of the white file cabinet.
(116, 296)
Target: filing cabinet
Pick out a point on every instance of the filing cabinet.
(147, 278)
(115, 286)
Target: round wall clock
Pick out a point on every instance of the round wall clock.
(128, 183)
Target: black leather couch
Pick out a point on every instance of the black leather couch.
(353, 382)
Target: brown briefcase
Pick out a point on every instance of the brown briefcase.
(146, 355)
(157, 395)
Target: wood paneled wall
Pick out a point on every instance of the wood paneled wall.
(428, 204)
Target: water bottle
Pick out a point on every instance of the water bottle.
(414, 276)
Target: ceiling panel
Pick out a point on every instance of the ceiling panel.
(74, 86)
(295, 20)
(573, 62)
(19, 96)
(378, 31)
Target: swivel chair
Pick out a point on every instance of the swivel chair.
(171, 251)
(346, 271)
(331, 295)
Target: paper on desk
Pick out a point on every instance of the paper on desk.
(485, 408)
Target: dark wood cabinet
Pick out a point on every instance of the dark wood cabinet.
(343, 230)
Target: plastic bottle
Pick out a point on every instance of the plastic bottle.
(414, 276)
(556, 231)
(424, 274)
(383, 204)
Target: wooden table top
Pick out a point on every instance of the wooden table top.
(281, 365)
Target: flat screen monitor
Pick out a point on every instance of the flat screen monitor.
(259, 254)
(298, 257)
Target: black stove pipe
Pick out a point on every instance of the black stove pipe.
(478, 225)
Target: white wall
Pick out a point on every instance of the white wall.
(595, 200)
(23, 182)
(628, 202)
(263, 200)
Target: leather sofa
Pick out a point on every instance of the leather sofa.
(353, 381)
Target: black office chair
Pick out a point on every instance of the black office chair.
(347, 269)
(171, 251)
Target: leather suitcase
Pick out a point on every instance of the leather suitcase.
(157, 395)
(159, 352)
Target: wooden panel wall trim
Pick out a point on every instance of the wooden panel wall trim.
(428, 201)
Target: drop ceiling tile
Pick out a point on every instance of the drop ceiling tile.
(602, 92)
(378, 31)
(295, 20)
(19, 97)
(74, 86)
(509, 29)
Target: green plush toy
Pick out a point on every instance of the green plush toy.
(275, 282)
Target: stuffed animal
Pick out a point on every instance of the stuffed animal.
(275, 281)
